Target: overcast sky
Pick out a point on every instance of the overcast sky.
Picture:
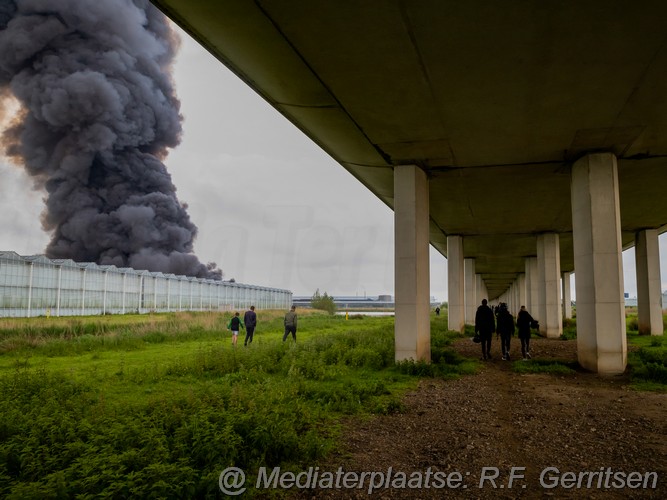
(272, 208)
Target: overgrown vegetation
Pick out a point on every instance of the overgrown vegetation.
(631, 323)
(647, 357)
(159, 406)
(445, 361)
(569, 329)
(648, 362)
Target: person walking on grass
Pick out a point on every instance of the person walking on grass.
(250, 321)
(505, 327)
(523, 322)
(234, 324)
(290, 324)
(485, 325)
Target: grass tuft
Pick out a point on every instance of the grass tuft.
(549, 366)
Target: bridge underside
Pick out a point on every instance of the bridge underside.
(493, 101)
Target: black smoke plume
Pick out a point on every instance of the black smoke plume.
(98, 115)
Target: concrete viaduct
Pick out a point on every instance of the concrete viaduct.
(524, 140)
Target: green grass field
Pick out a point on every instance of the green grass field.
(157, 406)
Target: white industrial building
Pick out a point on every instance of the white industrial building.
(37, 286)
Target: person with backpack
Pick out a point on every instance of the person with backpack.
(523, 322)
(505, 327)
(234, 325)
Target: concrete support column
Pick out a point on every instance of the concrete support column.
(455, 283)
(548, 296)
(521, 285)
(567, 296)
(470, 295)
(412, 327)
(531, 287)
(479, 289)
(649, 292)
(596, 228)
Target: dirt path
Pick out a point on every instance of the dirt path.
(500, 419)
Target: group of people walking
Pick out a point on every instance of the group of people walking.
(502, 322)
(249, 322)
(487, 321)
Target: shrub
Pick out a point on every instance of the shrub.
(323, 302)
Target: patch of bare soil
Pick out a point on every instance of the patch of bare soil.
(552, 430)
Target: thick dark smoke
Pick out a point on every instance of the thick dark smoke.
(98, 115)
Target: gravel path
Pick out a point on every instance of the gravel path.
(504, 422)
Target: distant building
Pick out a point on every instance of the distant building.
(355, 302)
(632, 302)
(351, 302)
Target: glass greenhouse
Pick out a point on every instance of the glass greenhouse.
(36, 286)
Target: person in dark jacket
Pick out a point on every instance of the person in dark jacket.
(290, 324)
(505, 327)
(250, 321)
(523, 322)
(485, 325)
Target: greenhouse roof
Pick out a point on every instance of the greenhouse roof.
(8, 255)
